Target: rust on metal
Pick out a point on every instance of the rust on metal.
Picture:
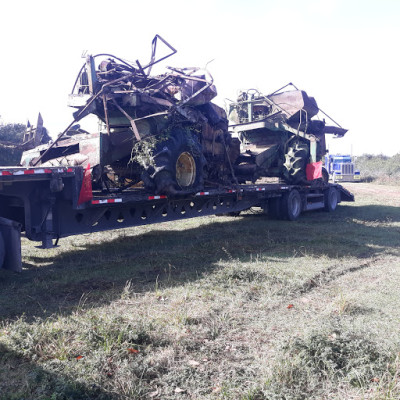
(150, 123)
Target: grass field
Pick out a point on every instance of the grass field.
(212, 308)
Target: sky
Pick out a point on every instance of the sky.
(345, 53)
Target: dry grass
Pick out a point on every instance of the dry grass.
(212, 308)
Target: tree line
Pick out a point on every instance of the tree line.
(10, 136)
(379, 168)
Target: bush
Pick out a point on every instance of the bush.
(324, 359)
(379, 168)
(11, 134)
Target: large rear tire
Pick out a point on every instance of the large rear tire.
(178, 165)
(295, 163)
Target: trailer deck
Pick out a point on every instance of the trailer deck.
(46, 204)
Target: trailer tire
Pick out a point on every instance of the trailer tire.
(2, 250)
(331, 199)
(291, 205)
(275, 208)
(178, 165)
(228, 214)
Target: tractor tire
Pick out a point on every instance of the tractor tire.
(178, 165)
(325, 175)
(291, 205)
(295, 163)
(331, 199)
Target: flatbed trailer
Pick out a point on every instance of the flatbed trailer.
(46, 204)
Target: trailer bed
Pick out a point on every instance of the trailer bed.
(47, 204)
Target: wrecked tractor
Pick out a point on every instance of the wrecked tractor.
(157, 131)
(164, 133)
(280, 134)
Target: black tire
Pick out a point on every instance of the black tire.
(229, 214)
(296, 159)
(2, 250)
(291, 205)
(331, 199)
(233, 214)
(325, 175)
(178, 165)
(275, 208)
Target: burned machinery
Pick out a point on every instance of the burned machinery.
(279, 134)
(161, 131)
(164, 133)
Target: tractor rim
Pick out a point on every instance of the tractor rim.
(185, 170)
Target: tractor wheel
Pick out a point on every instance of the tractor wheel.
(325, 175)
(331, 199)
(295, 163)
(291, 205)
(178, 164)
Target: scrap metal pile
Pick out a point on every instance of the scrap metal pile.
(164, 133)
(160, 130)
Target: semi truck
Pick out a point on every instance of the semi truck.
(163, 152)
(341, 168)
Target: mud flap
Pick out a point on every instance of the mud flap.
(10, 245)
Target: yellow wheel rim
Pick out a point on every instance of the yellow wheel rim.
(185, 170)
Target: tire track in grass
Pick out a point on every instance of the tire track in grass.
(332, 273)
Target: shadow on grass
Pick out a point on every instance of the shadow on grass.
(20, 378)
(96, 274)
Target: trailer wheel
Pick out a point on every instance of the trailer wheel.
(178, 164)
(275, 208)
(2, 250)
(291, 205)
(331, 199)
(229, 214)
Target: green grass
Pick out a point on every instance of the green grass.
(211, 308)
